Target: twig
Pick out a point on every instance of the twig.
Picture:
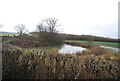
(77, 75)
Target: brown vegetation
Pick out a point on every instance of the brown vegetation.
(20, 63)
(23, 41)
(85, 45)
(37, 64)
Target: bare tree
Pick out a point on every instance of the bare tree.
(51, 24)
(48, 34)
(20, 28)
(41, 27)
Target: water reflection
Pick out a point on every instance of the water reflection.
(70, 49)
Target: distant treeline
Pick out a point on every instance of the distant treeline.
(87, 37)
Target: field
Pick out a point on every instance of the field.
(111, 44)
(8, 34)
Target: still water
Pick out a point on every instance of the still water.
(111, 48)
(68, 49)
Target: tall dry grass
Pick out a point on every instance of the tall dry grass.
(19, 63)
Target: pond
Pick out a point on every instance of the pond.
(111, 48)
(68, 49)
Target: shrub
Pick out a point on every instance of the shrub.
(49, 39)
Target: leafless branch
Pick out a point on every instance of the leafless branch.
(20, 28)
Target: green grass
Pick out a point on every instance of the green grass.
(112, 44)
(12, 34)
(8, 34)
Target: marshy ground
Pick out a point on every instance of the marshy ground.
(24, 59)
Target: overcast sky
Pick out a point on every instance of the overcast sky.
(89, 17)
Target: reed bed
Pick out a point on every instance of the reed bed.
(19, 63)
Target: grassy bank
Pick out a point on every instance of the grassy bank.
(112, 44)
